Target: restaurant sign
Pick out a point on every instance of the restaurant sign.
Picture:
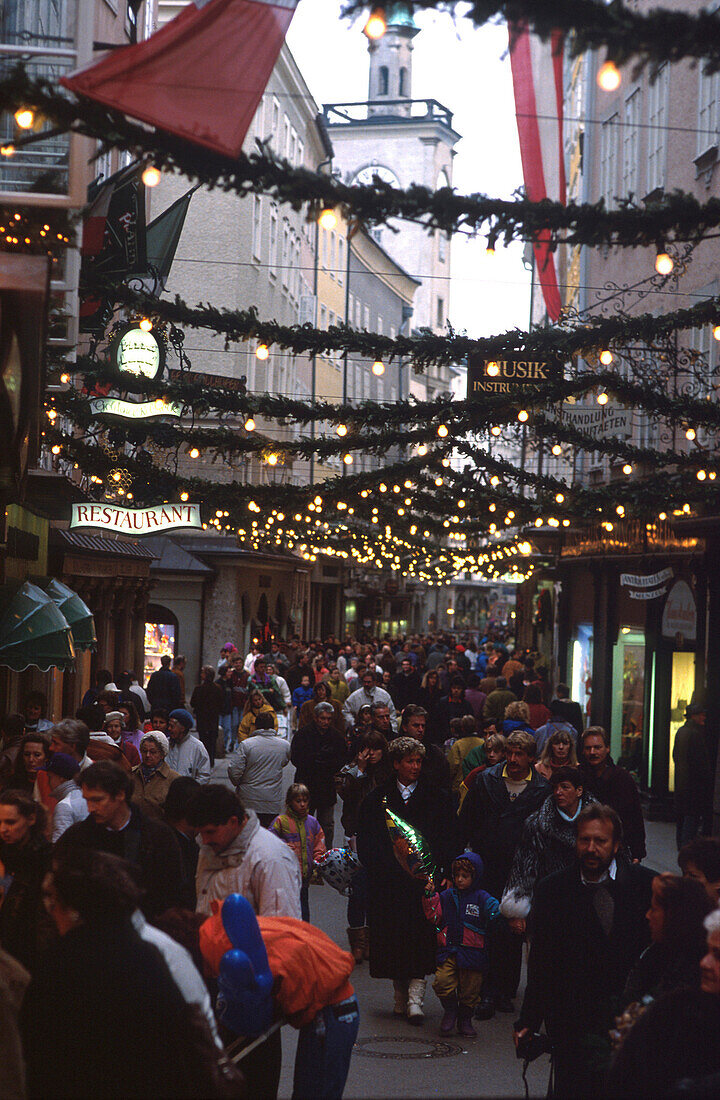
(134, 410)
(136, 521)
(517, 374)
(138, 352)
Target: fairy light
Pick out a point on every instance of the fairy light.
(608, 77)
(184, 496)
(716, 332)
(249, 424)
(146, 324)
(627, 468)
(492, 369)
(602, 398)
(328, 218)
(376, 25)
(348, 460)
(557, 449)
(606, 357)
(194, 452)
(690, 434)
(522, 415)
(25, 118)
(262, 351)
(151, 176)
(663, 262)
(378, 368)
(341, 430)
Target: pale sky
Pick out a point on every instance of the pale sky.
(466, 70)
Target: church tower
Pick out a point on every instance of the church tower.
(391, 64)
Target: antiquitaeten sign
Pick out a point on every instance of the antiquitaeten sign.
(522, 372)
(136, 521)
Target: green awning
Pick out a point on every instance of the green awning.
(76, 611)
(33, 631)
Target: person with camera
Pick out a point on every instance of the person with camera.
(589, 929)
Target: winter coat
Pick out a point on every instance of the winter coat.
(476, 758)
(339, 690)
(569, 711)
(547, 845)
(257, 865)
(304, 836)
(553, 725)
(71, 807)
(496, 702)
(247, 722)
(402, 943)
(150, 794)
(24, 926)
(462, 919)
(659, 970)
(164, 689)
(189, 757)
(615, 787)
(491, 823)
(405, 689)
(445, 711)
(301, 695)
(317, 757)
(122, 752)
(306, 714)
(539, 715)
(8, 756)
(511, 725)
(208, 703)
(693, 770)
(256, 769)
(360, 697)
(457, 754)
(476, 699)
(150, 845)
(435, 767)
(355, 786)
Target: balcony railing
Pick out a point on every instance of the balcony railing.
(415, 110)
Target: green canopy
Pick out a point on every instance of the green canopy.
(78, 614)
(33, 631)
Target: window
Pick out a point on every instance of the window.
(384, 80)
(442, 248)
(351, 309)
(324, 249)
(275, 116)
(379, 326)
(273, 241)
(657, 132)
(440, 318)
(630, 141)
(332, 255)
(285, 263)
(403, 88)
(323, 317)
(285, 148)
(299, 154)
(340, 260)
(366, 318)
(707, 110)
(257, 226)
(358, 313)
(293, 145)
(608, 161)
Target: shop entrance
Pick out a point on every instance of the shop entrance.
(682, 685)
(628, 708)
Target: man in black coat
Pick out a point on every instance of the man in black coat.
(492, 819)
(567, 709)
(694, 775)
(163, 688)
(435, 768)
(612, 786)
(452, 705)
(117, 826)
(589, 929)
(318, 752)
(405, 685)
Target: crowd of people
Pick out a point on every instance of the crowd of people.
(118, 846)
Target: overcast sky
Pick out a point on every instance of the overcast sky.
(466, 70)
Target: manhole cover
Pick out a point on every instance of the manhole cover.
(379, 1046)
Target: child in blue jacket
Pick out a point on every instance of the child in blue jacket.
(462, 916)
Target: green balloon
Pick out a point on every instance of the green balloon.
(410, 847)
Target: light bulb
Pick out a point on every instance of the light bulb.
(183, 496)
(627, 468)
(492, 369)
(602, 398)
(716, 332)
(663, 263)
(194, 452)
(25, 117)
(7, 150)
(378, 367)
(249, 424)
(376, 25)
(606, 357)
(557, 449)
(348, 460)
(559, 497)
(422, 449)
(608, 77)
(442, 431)
(690, 434)
(55, 450)
(262, 351)
(701, 475)
(146, 324)
(341, 429)
(496, 430)
(328, 218)
(272, 459)
(151, 176)
(522, 415)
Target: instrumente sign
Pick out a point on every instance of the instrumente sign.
(518, 374)
(136, 521)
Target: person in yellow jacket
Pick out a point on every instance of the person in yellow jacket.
(255, 705)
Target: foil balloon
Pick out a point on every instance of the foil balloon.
(337, 867)
(410, 848)
(244, 1001)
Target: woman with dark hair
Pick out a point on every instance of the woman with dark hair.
(24, 859)
(11, 735)
(539, 713)
(321, 694)
(33, 755)
(131, 722)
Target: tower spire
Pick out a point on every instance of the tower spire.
(390, 75)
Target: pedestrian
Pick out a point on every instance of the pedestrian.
(405, 685)
(256, 770)
(111, 743)
(208, 703)
(492, 818)
(153, 776)
(494, 748)
(238, 856)
(694, 774)
(131, 722)
(256, 704)
(613, 786)
(517, 717)
(267, 684)
(538, 713)
(318, 752)
(478, 756)
(337, 686)
(555, 722)
(14, 980)
(164, 688)
(547, 843)
(452, 705)
(462, 915)
(70, 806)
(13, 729)
(115, 825)
(321, 694)
(566, 709)
(32, 756)
(401, 940)
(466, 741)
(178, 668)
(179, 795)
(435, 767)
(497, 700)
(24, 859)
(302, 694)
(158, 720)
(34, 709)
(559, 752)
(72, 737)
(304, 834)
(370, 692)
(700, 859)
(102, 677)
(475, 695)
(589, 929)
(187, 754)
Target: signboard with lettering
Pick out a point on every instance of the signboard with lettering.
(601, 421)
(645, 580)
(136, 351)
(212, 381)
(680, 613)
(134, 410)
(136, 521)
(516, 374)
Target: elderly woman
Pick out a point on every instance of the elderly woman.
(559, 752)
(547, 843)
(402, 941)
(153, 776)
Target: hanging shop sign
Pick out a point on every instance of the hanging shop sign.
(602, 422)
(138, 352)
(648, 580)
(516, 375)
(136, 521)
(648, 595)
(680, 613)
(134, 410)
(210, 381)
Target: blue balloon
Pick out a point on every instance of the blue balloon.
(244, 1002)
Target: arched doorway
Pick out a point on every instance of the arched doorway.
(161, 637)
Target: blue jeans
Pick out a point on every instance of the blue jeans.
(324, 1050)
(357, 900)
(230, 723)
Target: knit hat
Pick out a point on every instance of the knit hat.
(63, 765)
(184, 717)
(159, 738)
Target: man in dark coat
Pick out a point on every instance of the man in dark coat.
(208, 701)
(163, 688)
(612, 786)
(491, 823)
(589, 928)
(402, 941)
(567, 709)
(318, 752)
(116, 826)
(435, 767)
(693, 776)
(405, 685)
(452, 705)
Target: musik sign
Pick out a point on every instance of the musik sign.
(516, 374)
(136, 521)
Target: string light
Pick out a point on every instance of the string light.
(608, 77)
(442, 430)
(522, 415)
(194, 452)
(146, 324)
(602, 398)
(328, 218)
(249, 424)
(348, 460)
(690, 434)
(376, 25)
(272, 459)
(341, 430)
(627, 468)
(7, 150)
(492, 369)
(663, 262)
(557, 449)
(716, 332)
(606, 357)
(262, 351)
(151, 176)
(184, 496)
(496, 430)
(25, 118)
(378, 368)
